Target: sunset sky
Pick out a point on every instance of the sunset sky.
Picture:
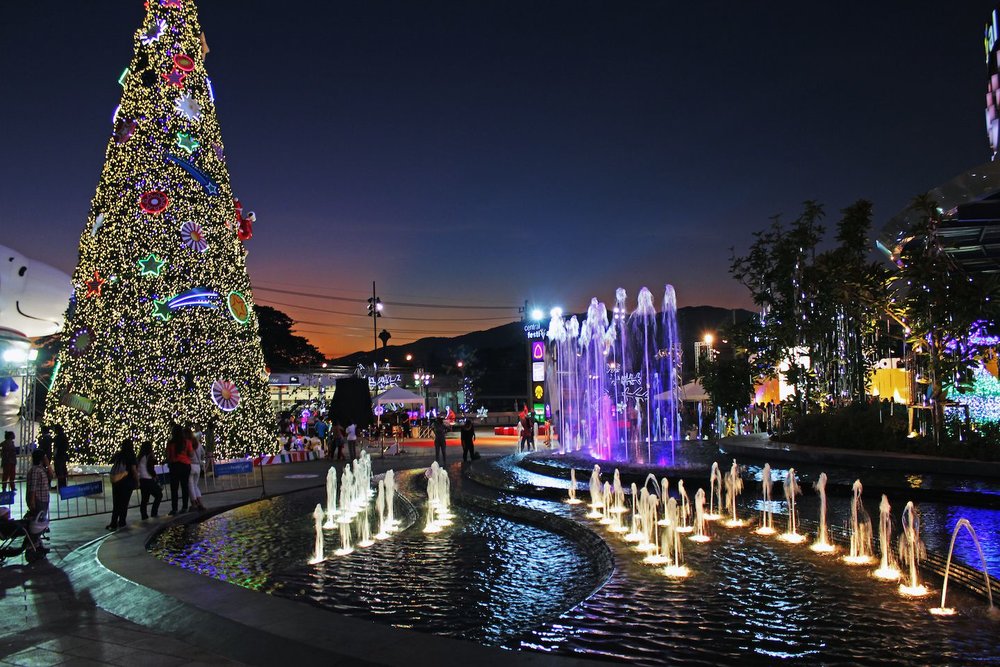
(471, 155)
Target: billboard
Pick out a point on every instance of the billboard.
(990, 35)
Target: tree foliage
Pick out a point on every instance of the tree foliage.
(284, 350)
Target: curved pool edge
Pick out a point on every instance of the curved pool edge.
(254, 627)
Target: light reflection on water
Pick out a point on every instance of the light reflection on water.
(484, 578)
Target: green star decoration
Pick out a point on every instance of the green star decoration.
(161, 309)
(151, 265)
(187, 142)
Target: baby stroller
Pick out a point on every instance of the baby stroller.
(24, 536)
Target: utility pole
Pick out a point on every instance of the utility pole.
(375, 312)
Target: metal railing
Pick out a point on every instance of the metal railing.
(90, 493)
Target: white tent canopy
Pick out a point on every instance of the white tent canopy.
(692, 392)
(398, 395)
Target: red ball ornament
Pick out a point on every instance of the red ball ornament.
(153, 202)
(184, 62)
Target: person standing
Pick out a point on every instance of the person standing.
(61, 460)
(440, 442)
(524, 429)
(124, 480)
(148, 486)
(8, 460)
(352, 441)
(45, 443)
(321, 429)
(179, 463)
(197, 459)
(37, 491)
(337, 435)
(468, 434)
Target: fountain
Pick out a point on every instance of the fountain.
(345, 535)
(715, 491)
(887, 569)
(606, 507)
(383, 532)
(616, 381)
(365, 533)
(671, 544)
(635, 533)
(331, 498)
(911, 551)
(944, 610)
(391, 524)
(597, 500)
(346, 515)
(792, 489)
(649, 543)
(664, 497)
(822, 543)
(618, 506)
(700, 518)
(685, 510)
(734, 487)
(861, 531)
(572, 500)
(767, 518)
(318, 547)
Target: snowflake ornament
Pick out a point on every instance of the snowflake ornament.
(153, 32)
(187, 107)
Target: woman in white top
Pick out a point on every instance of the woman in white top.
(197, 456)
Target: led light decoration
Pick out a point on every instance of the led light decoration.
(151, 265)
(80, 341)
(124, 75)
(161, 309)
(226, 395)
(159, 340)
(171, 4)
(153, 202)
(206, 183)
(195, 297)
(95, 284)
(187, 142)
(188, 107)
(175, 77)
(184, 62)
(124, 129)
(193, 237)
(238, 307)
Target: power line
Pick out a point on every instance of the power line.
(348, 327)
(390, 317)
(394, 303)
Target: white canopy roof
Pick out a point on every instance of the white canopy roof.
(398, 395)
(692, 392)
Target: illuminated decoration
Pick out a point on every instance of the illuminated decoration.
(238, 307)
(537, 350)
(992, 84)
(124, 75)
(124, 129)
(77, 402)
(984, 399)
(206, 183)
(157, 343)
(161, 309)
(184, 62)
(226, 395)
(95, 284)
(539, 392)
(175, 77)
(211, 91)
(188, 107)
(98, 223)
(379, 410)
(153, 32)
(482, 413)
(151, 265)
(153, 202)
(187, 142)
(80, 341)
(114, 116)
(192, 236)
(219, 152)
(244, 223)
(171, 4)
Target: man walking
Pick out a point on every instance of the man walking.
(440, 444)
(352, 441)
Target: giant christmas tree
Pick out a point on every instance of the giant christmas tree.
(161, 327)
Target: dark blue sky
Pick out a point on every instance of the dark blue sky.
(490, 152)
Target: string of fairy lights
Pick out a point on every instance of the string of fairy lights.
(161, 327)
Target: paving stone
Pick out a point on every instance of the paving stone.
(35, 657)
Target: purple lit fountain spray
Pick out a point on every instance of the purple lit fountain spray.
(615, 383)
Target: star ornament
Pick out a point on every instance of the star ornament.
(95, 284)
(175, 77)
(153, 32)
(187, 142)
(151, 266)
(187, 107)
(161, 309)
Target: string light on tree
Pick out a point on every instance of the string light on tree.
(151, 343)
